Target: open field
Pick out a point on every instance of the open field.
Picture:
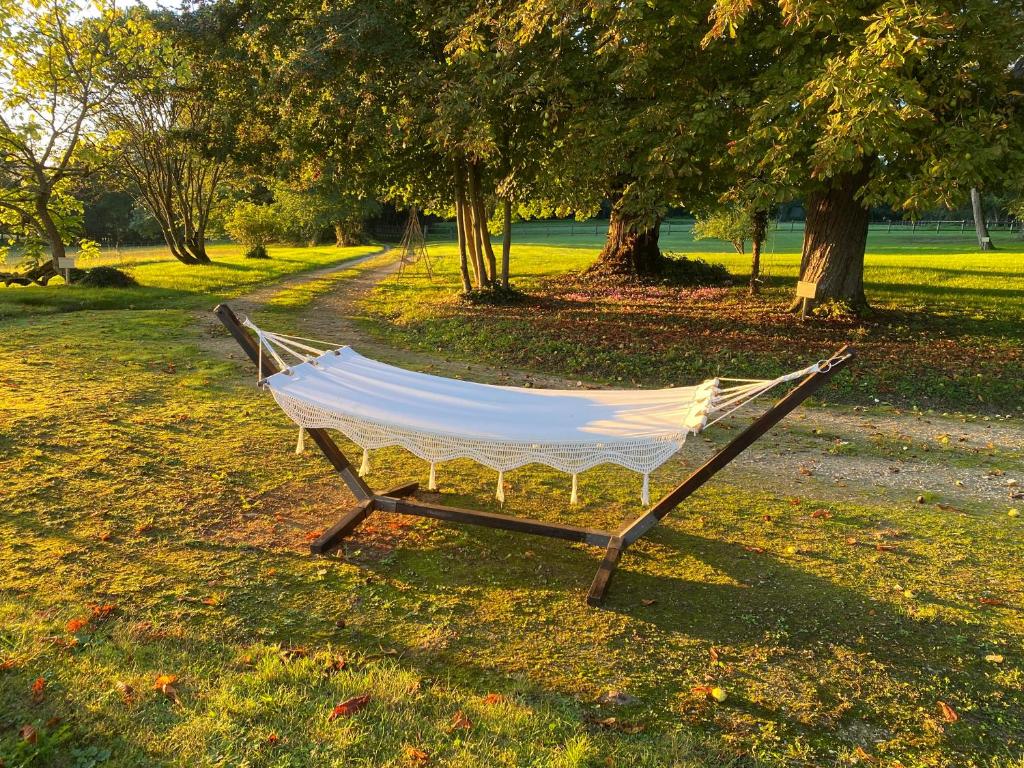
(155, 522)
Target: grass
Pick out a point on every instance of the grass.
(152, 495)
(168, 284)
(946, 330)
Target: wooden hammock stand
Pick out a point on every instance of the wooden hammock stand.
(399, 499)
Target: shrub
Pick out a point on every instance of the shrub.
(251, 224)
(496, 296)
(733, 225)
(104, 277)
(257, 252)
(681, 270)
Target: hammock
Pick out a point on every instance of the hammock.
(375, 405)
(437, 419)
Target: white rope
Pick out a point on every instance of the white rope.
(364, 468)
(574, 499)
(645, 492)
(499, 494)
(300, 446)
(432, 482)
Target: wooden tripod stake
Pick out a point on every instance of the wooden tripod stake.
(399, 499)
(413, 248)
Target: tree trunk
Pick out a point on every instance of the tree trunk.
(630, 248)
(760, 226)
(506, 241)
(460, 228)
(835, 235)
(480, 215)
(57, 249)
(346, 235)
(984, 241)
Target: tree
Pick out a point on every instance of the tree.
(644, 122)
(980, 227)
(437, 105)
(854, 104)
(167, 143)
(252, 224)
(51, 66)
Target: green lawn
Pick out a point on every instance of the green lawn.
(155, 523)
(946, 332)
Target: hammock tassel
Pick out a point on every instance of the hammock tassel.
(364, 468)
(574, 499)
(645, 493)
(300, 446)
(432, 482)
(499, 494)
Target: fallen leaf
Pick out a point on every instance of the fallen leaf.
(126, 691)
(756, 550)
(647, 603)
(164, 680)
(349, 707)
(862, 755)
(105, 536)
(701, 690)
(851, 541)
(990, 601)
(493, 698)
(461, 721)
(948, 713)
(8, 664)
(416, 756)
(272, 739)
(879, 547)
(994, 658)
(821, 513)
(74, 625)
(613, 724)
(335, 664)
(314, 535)
(28, 733)
(102, 612)
(288, 654)
(38, 690)
(713, 653)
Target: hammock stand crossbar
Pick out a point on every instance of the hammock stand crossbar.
(399, 500)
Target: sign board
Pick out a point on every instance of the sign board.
(806, 290)
(65, 263)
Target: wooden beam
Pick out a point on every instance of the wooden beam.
(603, 579)
(493, 520)
(345, 525)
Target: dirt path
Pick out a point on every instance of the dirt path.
(847, 453)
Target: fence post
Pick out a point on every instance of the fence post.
(913, 231)
(937, 225)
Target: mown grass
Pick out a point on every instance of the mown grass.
(152, 493)
(946, 331)
(169, 284)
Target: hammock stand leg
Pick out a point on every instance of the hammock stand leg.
(250, 346)
(637, 528)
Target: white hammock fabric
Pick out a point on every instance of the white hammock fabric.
(437, 419)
